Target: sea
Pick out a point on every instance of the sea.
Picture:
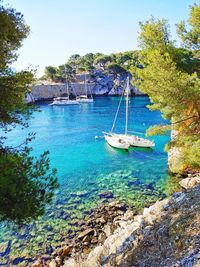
(87, 166)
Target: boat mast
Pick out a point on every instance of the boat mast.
(65, 72)
(85, 85)
(127, 94)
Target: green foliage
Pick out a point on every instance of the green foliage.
(158, 130)
(13, 31)
(191, 156)
(115, 64)
(102, 60)
(26, 183)
(171, 79)
(50, 73)
(65, 73)
(191, 38)
(154, 34)
(115, 68)
(13, 88)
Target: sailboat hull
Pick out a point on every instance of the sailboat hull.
(136, 141)
(64, 102)
(116, 142)
(86, 100)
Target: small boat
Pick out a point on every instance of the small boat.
(61, 101)
(64, 101)
(85, 98)
(124, 141)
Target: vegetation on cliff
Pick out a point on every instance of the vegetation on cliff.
(171, 79)
(26, 183)
(115, 64)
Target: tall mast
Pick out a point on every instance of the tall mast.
(127, 93)
(66, 80)
(68, 89)
(85, 85)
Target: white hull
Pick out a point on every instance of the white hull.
(137, 141)
(64, 102)
(86, 100)
(116, 142)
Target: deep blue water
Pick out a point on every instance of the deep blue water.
(87, 166)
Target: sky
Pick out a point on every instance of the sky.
(61, 28)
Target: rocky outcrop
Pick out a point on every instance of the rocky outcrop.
(164, 234)
(190, 181)
(174, 154)
(48, 91)
(99, 83)
(29, 98)
(174, 159)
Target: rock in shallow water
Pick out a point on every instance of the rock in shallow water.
(105, 194)
(86, 232)
(79, 194)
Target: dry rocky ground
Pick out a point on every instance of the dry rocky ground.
(165, 234)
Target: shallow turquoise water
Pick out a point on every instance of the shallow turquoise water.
(87, 166)
(68, 133)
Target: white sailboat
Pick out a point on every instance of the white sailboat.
(59, 101)
(84, 98)
(64, 100)
(124, 141)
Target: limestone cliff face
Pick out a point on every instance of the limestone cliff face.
(99, 83)
(174, 155)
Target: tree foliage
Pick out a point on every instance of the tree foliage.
(26, 183)
(191, 38)
(116, 64)
(171, 79)
(13, 31)
(50, 73)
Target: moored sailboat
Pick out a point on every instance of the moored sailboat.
(85, 98)
(64, 100)
(124, 141)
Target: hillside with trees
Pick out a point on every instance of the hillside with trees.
(115, 64)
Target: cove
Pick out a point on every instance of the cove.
(87, 168)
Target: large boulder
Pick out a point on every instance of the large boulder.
(189, 182)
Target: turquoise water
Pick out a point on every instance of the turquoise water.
(87, 166)
(68, 132)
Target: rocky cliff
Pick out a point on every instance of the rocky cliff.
(99, 83)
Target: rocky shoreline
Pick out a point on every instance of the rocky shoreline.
(165, 234)
(94, 229)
